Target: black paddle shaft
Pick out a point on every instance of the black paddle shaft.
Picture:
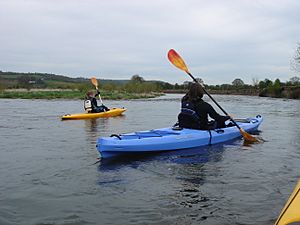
(194, 79)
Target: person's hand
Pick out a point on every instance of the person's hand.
(230, 116)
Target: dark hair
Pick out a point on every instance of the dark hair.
(195, 92)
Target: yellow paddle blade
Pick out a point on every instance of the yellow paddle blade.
(94, 81)
(248, 137)
(177, 61)
(291, 211)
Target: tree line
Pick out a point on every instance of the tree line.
(137, 84)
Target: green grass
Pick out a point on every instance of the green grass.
(42, 94)
(113, 95)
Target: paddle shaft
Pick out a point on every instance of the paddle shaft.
(95, 83)
(99, 95)
(194, 79)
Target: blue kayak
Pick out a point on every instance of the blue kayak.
(170, 139)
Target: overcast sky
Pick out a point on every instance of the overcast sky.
(219, 40)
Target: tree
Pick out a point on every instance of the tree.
(166, 85)
(276, 89)
(268, 82)
(295, 80)
(295, 63)
(265, 83)
(262, 84)
(255, 82)
(137, 78)
(225, 86)
(238, 82)
(277, 83)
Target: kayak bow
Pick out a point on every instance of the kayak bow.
(291, 211)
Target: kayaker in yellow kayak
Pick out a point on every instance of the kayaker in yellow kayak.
(91, 105)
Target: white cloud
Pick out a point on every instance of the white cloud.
(219, 39)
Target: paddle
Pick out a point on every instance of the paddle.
(95, 83)
(177, 61)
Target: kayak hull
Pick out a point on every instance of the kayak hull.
(111, 113)
(168, 139)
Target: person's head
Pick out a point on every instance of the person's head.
(195, 92)
(90, 94)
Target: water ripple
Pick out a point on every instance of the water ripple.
(48, 177)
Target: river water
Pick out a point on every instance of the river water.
(48, 175)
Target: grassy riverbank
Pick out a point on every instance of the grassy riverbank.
(73, 94)
(51, 86)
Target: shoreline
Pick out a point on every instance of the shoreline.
(284, 92)
(71, 94)
(122, 95)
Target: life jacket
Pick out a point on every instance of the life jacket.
(87, 105)
(188, 117)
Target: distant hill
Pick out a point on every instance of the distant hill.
(53, 77)
(15, 80)
(40, 80)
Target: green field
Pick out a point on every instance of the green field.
(112, 95)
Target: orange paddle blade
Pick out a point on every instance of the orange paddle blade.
(94, 81)
(177, 61)
(248, 137)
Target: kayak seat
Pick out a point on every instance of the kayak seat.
(177, 128)
(219, 131)
(116, 135)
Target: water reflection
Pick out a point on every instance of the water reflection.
(191, 156)
(91, 130)
(95, 128)
(133, 161)
(91, 126)
(193, 175)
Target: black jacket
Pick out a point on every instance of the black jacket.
(200, 121)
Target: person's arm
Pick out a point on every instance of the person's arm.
(214, 115)
(97, 93)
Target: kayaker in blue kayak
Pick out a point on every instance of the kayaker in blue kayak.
(91, 105)
(194, 111)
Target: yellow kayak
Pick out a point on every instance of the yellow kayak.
(291, 211)
(112, 112)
